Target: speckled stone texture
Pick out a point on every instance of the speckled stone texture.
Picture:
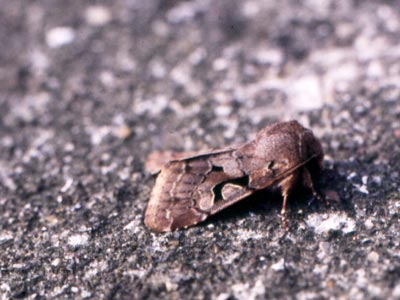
(89, 89)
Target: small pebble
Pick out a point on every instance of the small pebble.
(373, 257)
(60, 36)
(279, 265)
(78, 240)
(56, 262)
(368, 224)
(305, 93)
(333, 221)
(97, 15)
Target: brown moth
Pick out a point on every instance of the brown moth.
(190, 188)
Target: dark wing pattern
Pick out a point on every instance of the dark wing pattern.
(188, 190)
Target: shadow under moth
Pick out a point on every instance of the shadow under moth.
(192, 186)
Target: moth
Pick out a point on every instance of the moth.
(191, 187)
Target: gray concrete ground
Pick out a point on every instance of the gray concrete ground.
(89, 89)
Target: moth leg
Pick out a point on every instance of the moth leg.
(287, 184)
(308, 182)
(283, 212)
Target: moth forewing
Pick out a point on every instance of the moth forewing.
(189, 189)
(183, 194)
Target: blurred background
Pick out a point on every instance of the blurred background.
(89, 88)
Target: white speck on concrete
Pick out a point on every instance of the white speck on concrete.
(393, 206)
(97, 134)
(18, 266)
(320, 7)
(279, 265)
(186, 11)
(375, 291)
(5, 237)
(271, 57)
(307, 295)
(67, 185)
(323, 223)
(351, 175)
(377, 179)
(389, 18)
(230, 258)
(246, 234)
(153, 106)
(361, 279)
(94, 268)
(31, 106)
(363, 283)
(223, 296)
(396, 291)
(181, 74)
(107, 78)
(364, 179)
(58, 290)
(6, 179)
(344, 72)
(220, 64)
(250, 8)
(362, 188)
(210, 226)
(325, 250)
(5, 287)
(242, 291)
(223, 110)
(160, 28)
(97, 15)
(320, 269)
(197, 56)
(86, 294)
(136, 273)
(368, 224)
(39, 61)
(122, 131)
(257, 290)
(345, 30)
(133, 226)
(170, 286)
(125, 61)
(373, 257)
(56, 262)
(305, 93)
(375, 69)
(59, 36)
(158, 69)
(78, 240)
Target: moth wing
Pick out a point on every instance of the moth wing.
(188, 190)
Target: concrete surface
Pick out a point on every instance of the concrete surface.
(89, 89)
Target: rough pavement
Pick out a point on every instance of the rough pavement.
(88, 90)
